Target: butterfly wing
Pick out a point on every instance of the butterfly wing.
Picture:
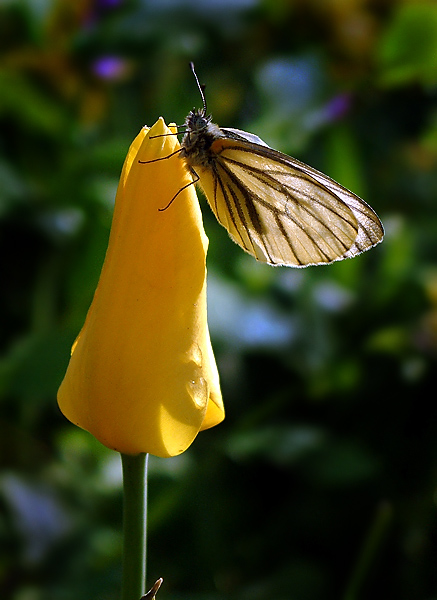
(282, 211)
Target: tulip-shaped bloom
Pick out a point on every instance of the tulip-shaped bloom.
(142, 375)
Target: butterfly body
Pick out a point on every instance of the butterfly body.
(276, 208)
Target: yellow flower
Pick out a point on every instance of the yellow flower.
(142, 375)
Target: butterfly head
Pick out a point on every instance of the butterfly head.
(199, 135)
(197, 121)
(199, 131)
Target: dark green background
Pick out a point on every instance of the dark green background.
(321, 482)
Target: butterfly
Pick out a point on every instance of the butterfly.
(278, 209)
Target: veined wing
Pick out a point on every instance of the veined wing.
(282, 211)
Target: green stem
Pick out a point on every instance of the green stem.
(134, 525)
(369, 551)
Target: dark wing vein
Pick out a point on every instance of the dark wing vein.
(237, 206)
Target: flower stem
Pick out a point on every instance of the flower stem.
(369, 552)
(134, 525)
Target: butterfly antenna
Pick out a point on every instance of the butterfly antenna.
(201, 88)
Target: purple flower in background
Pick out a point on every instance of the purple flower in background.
(103, 5)
(338, 106)
(110, 67)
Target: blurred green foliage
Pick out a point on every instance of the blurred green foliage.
(321, 482)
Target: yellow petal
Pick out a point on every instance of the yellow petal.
(142, 375)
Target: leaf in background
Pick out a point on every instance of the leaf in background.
(20, 99)
(408, 48)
